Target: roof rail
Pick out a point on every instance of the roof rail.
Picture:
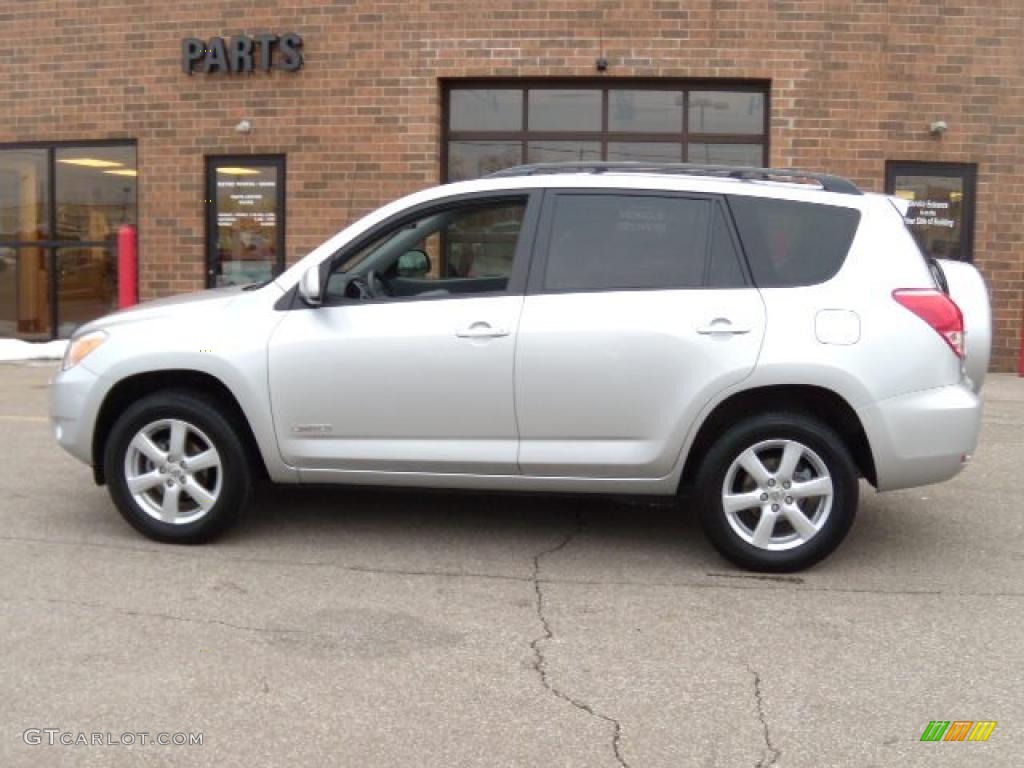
(828, 182)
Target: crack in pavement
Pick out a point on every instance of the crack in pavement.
(755, 581)
(771, 752)
(540, 664)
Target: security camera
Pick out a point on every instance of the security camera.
(938, 128)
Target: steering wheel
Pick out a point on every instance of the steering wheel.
(368, 286)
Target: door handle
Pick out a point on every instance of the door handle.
(722, 326)
(481, 330)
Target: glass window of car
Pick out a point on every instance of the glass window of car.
(724, 270)
(468, 249)
(623, 242)
(791, 243)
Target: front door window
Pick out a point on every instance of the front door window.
(447, 252)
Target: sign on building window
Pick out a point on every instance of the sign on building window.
(941, 210)
(245, 219)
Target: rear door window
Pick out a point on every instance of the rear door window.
(724, 265)
(791, 243)
(627, 242)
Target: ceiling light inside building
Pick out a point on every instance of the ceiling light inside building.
(232, 171)
(123, 172)
(89, 162)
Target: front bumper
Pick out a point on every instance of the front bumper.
(74, 406)
(922, 437)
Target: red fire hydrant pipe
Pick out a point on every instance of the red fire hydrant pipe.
(127, 266)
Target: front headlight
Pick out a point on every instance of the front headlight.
(79, 348)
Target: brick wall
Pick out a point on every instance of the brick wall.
(360, 124)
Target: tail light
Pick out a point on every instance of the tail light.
(939, 311)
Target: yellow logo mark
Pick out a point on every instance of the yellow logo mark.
(982, 730)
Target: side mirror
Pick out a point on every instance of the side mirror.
(413, 264)
(310, 290)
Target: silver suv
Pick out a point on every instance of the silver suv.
(762, 337)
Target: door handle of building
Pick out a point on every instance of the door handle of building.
(722, 326)
(481, 331)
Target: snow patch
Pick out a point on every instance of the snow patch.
(13, 350)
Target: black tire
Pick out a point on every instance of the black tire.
(809, 432)
(206, 414)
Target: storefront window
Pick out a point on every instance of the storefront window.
(95, 192)
(86, 284)
(941, 211)
(494, 125)
(245, 226)
(23, 194)
(61, 206)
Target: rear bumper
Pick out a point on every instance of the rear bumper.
(922, 437)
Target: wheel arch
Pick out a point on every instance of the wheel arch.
(132, 388)
(819, 402)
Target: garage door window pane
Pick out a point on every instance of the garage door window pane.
(612, 242)
(565, 110)
(645, 151)
(562, 151)
(645, 111)
(726, 112)
(726, 154)
(486, 110)
(600, 120)
(473, 159)
(23, 195)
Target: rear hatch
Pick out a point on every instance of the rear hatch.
(963, 283)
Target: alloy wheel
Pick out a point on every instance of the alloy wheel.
(777, 495)
(173, 471)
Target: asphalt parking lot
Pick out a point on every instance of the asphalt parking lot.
(376, 628)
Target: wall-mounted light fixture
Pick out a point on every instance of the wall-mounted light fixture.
(938, 128)
(244, 126)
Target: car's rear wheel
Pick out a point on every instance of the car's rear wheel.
(176, 468)
(778, 492)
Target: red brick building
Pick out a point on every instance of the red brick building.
(229, 175)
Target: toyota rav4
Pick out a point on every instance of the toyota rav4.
(761, 338)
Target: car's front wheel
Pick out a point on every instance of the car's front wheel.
(778, 492)
(176, 468)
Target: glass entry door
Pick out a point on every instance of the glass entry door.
(941, 210)
(245, 219)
